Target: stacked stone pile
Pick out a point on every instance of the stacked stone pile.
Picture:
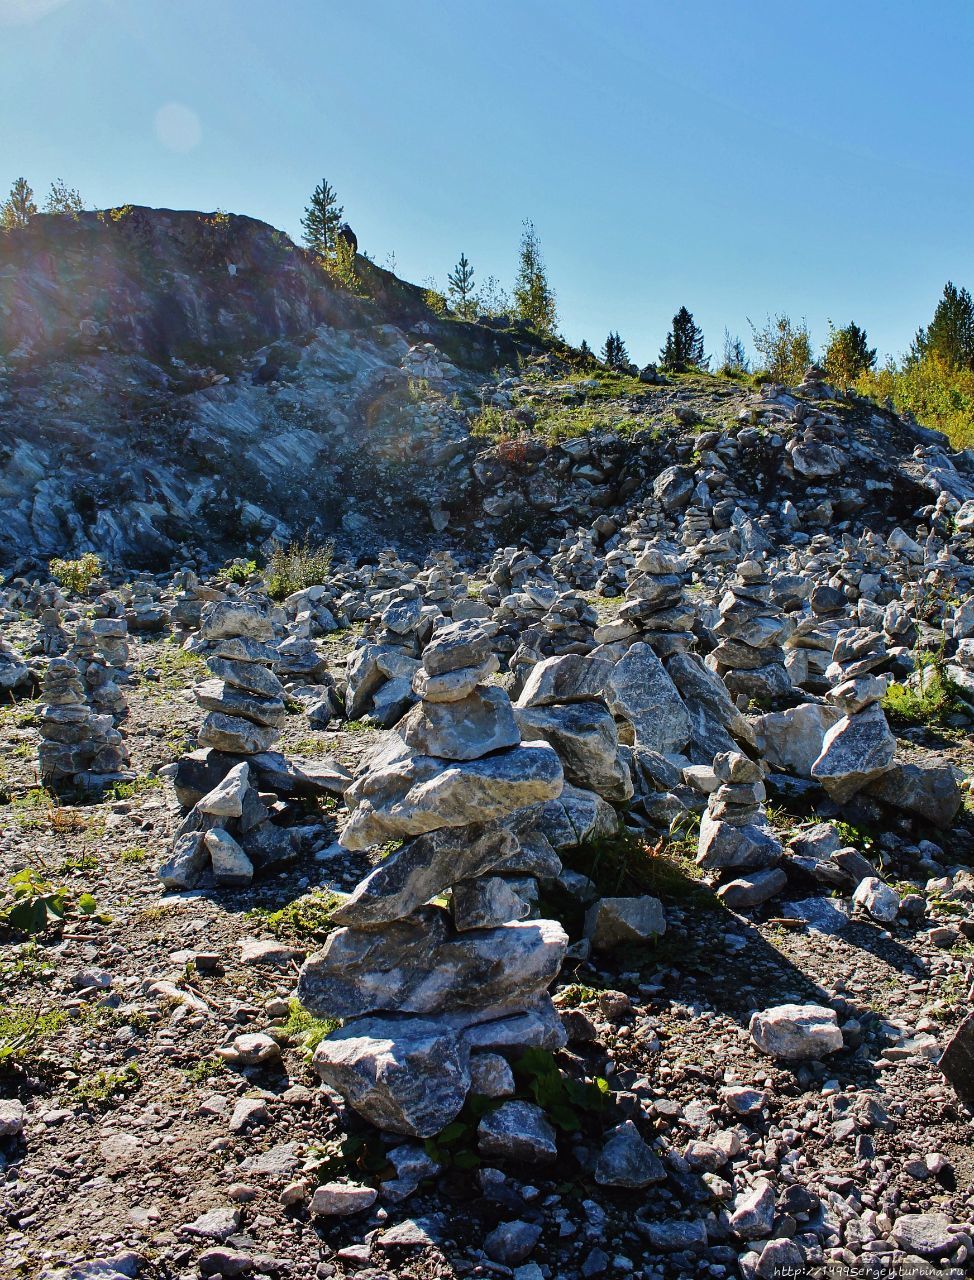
(860, 747)
(427, 991)
(78, 747)
(244, 700)
(736, 839)
(14, 672)
(111, 629)
(380, 670)
(144, 608)
(750, 658)
(97, 676)
(817, 633)
(191, 596)
(576, 559)
(656, 610)
(542, 621)
(52, 639)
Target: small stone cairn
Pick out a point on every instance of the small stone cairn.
(734, 832)
(78, 748)
(750, 658)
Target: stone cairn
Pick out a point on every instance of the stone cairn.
(229, 829)
(97, 675)
(750, 658)
(244, 701)
(144, 610)
(111, 630)
(735, 835)
(860, 747)
(656, 609)
(52, 640)
(433, 994)
(78, 747)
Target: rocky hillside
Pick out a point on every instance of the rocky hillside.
(174, 377)
(176, 382)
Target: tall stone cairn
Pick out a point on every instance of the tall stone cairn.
(428, 989)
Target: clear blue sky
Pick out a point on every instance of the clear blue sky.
(738, 158)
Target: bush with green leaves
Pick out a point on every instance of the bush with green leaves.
(76, 575)
(926, 697)
(37, 904)
(239, 571)
(297, 566)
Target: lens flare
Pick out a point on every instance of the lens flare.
(178, 127)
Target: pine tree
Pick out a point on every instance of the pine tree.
(63, 199)
(321, 219)
(534, 299)
(614, 353)
(19, 207)
(950, 334)
(585, 351)
(683, 349)
(460, 289)
(847, 354)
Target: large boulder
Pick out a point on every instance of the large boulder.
(584, 735)
(423, 868)
(421, 965)
(406, 796)
(641, 691)
(406, 1075)
(472, 727)
(793, 739)
(928, 790)
(855, 751)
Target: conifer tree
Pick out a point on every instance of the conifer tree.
(847, 354)
(534, 299)
(63, 199)
(19, 207)
(584, 350)
(950, 334)
(460, 289)
(683, 349)
(322, 219)
(614, 353)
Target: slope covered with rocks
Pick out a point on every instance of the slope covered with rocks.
(574, 879)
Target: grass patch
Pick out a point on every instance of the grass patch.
(304, 1026)
(22, 1031)
(927, 697)
(106, 1088)
(306, 917)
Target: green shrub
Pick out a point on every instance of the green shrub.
(939, 394)
(297, 566)
(927, 697)
(239, 571)
(76, 575)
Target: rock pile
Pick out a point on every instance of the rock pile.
(750, 658)
(735, 835)
(245, 699)
(78, 747)
(97, 675)
(428, 990)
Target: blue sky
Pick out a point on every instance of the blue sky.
(738, 158)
